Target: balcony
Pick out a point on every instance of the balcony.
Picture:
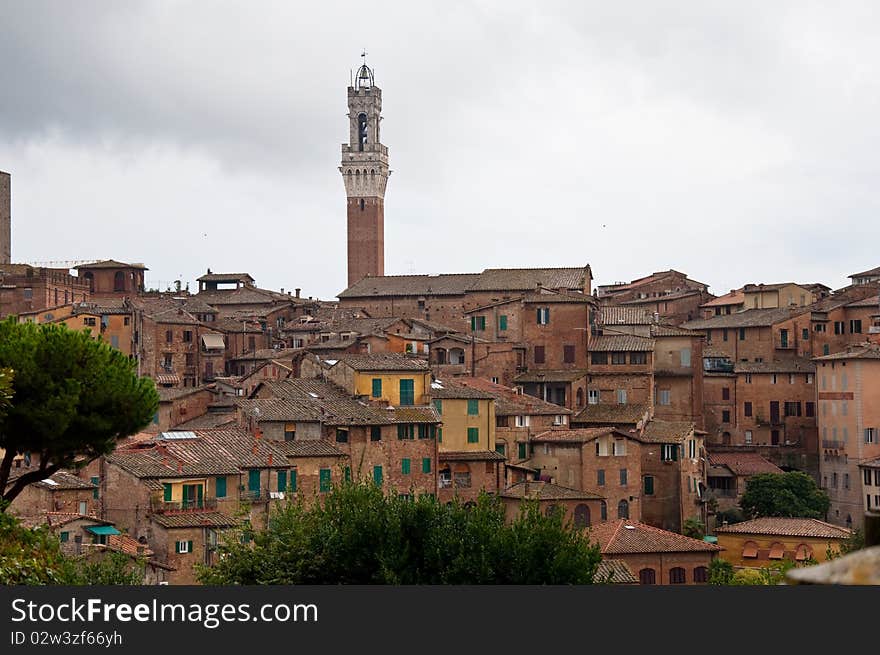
(721, 493)
(785, 344)
(253, 494)
(166, 507)
(833, 444)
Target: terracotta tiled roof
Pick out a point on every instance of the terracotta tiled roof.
(449, 388)
(743, 463)
(612, 414)
(869, 273)
(384, 362)
(224, 277)
(124, 543)
(411, 285)
(110, 263)
(732, 298)
(220, 451)
(553, 297)
(870, 301)
(672, 331)
(871, 463)
(631, 537)
(510, 403)
(580, 435)
(862, 351)
(207, 421)
(309, 448)
(470, 455)
(620, 315)
(656, 431)
(547, 491)
(195, 520)
(542, 375)
(787, 527)
(57, 519)
(618, 343)
(58, 481)
(614, 571)
(747, 318)
(675, 295)
(528, 279)
(794, 365)
(167, 395)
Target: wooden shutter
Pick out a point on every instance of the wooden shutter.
(473, 435)
(473, 407)
(438, 405)
(502, 322)
(166, 488)
(377, 474)
(404, 466)
(377, 387)
(324, 479)
(282, 480)
(293, 479)
(220, 485)
(189, 546)
(426, 464)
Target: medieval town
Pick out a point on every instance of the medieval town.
(638, 408)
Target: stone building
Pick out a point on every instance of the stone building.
(770, 540)
(112, 279)
(25, 288)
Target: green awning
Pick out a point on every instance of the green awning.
(710, 539)
(103, 529)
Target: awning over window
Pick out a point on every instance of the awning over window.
(213, 341)
(167, 378)
(750, 549)
(103, 529)
(777, 550)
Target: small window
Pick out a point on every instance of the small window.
(649, 485)
(600, 477)
(568, 354)
(750, 550)
(621, 396)
(324, 480)
(701, 574)
(676, 575)
(377, 388)
(502, 323)
(618, 358)
(725, 393)
(539, 354)
(543, 315)
(777, 551)
(184, 547)
(593, 396)
(473, 407)
(642, 358)
(647, 576)
(341, 436)
(664, 397)
(598, 358)
(473, 435)
(426, 464)
(405, 466)
(747, 408)
(623, 477)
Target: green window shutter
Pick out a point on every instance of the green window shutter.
(426, 464)
(423, 431)
(293, 479)
(407, 392)
(404, 466)
(521, 450)
(440, 435)
(377, 474)
(502, 322)
(649, 485)
(401, 431)
(95, 491)
(347, 473)
(438, 405)
(473, 323)
(341, 436)
(538, 321)
(254, 480)
(473, 435)
(324, 479)
(376, 433)
(473, 407)
(377, 387)
(482, 322)
(166, 492)
(176, 546)
(433, 432)
(282, 480)
(500, 449)
(65, 536)
(200, 495)
(189, 546)
(220, 485)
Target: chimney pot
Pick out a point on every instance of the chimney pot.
(297, 292)
(270, 459)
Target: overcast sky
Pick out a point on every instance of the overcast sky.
(738, 142)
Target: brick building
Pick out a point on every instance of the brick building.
(670, 295)
(849, 427)
(728, 472)
(581, 508)
(112, 279)
(60, 492)
(656, 556)
(769, 540)
(25, 288)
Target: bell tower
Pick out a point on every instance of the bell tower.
(364, 169)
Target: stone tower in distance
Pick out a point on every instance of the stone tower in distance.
(365, 173)
(5, 218)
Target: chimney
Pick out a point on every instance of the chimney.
(297, 292)
(179, 466)
(282, 289)
(5, 218)
(270, 459)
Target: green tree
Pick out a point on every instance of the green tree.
(693, 528)
(5, 390)
(74, 397)
(356, 534)
(792, 494)
(720, 572)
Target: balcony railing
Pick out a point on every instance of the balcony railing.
(253, 494)
(785, 344)
(185, 505)
(722, 493)
(832, 444)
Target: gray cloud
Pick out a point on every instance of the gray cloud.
(735, 142)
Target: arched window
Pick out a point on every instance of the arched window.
(623, 509)
(90, 278)
(725, 438)
(362, 204)
(580, 398)
(803, 552)
(550, 509)
(603, 511)
(441, 355)
(647, 576)
(701, 574)
(581, 516)
(750, 550)
(777, 550)
(676, 575)
(119, 281)
(362, 131)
